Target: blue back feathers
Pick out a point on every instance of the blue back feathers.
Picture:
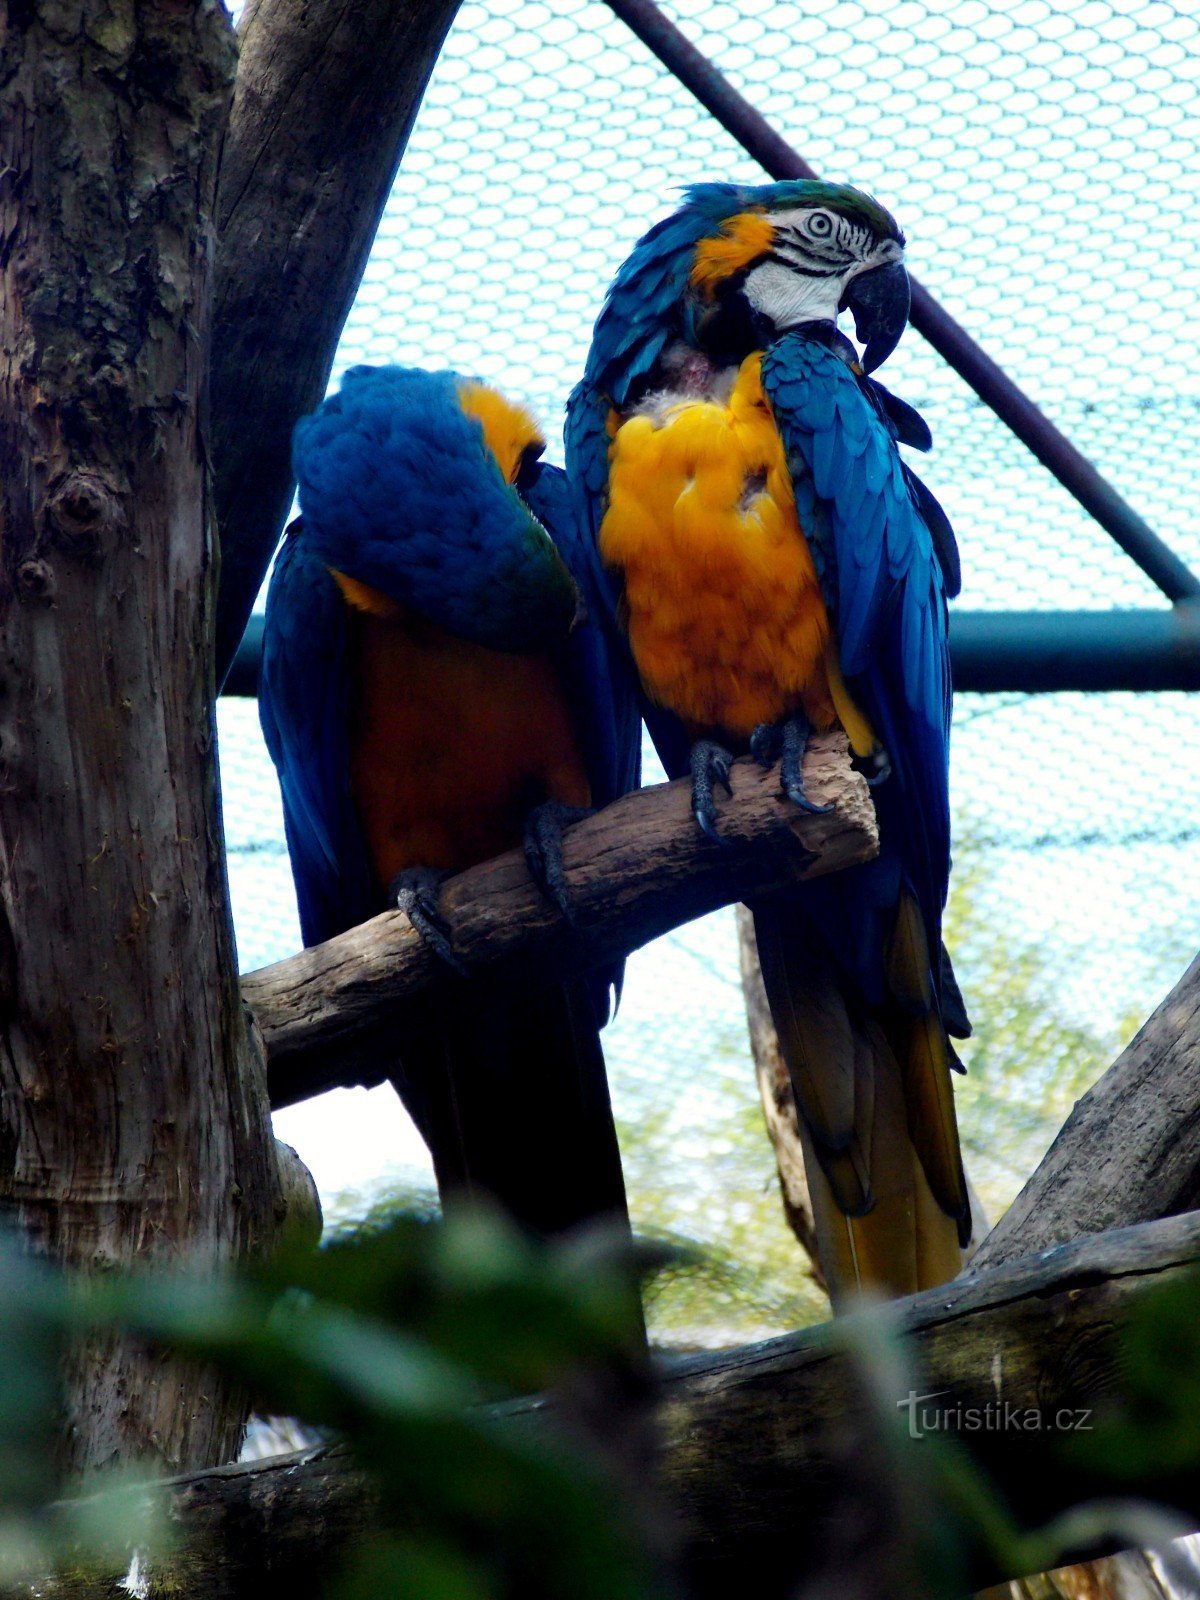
(399, 491)
(381, 502)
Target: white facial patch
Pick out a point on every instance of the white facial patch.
(816, 254)
(789, 298)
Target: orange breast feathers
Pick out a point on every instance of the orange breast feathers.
(452, 743)
(723, 608)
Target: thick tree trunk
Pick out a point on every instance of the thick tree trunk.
(133, 1114)
(327, 91)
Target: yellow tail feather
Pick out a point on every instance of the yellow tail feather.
(905, 1242)
(889, 1196)
(908, 973)
(933, 1127)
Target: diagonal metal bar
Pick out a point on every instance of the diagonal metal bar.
(951, 341)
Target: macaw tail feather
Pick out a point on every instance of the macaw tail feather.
(511, 1096)
(875, 1109)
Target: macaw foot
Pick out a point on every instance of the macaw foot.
(415, 892)
(543, 851)
(875, 766)
(710, 765)
(766, 742)
(786, 742)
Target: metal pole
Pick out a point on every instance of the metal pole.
(1038, 652)
(952, 342)
(1031, 652)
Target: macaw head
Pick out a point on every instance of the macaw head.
(738, 265)
(412, 488)
(804, 252)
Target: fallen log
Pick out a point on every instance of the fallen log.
(638, 868)
(763, 1448)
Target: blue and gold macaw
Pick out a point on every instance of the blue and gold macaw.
(432, 695)
(776, 568)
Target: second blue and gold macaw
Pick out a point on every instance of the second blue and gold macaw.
(432, 695)
(776, 568)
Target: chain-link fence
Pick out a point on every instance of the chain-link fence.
(1043, 161)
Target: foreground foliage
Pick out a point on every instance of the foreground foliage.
(395, 1335)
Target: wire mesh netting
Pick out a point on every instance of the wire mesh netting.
(1043, 162)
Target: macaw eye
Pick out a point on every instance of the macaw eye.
(820, 224)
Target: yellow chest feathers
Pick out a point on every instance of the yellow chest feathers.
(724, 612)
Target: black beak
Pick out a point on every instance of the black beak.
(879, 300)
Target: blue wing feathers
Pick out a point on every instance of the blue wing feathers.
(599, 679)
(399, 491)
(885, 592)
(303, 706)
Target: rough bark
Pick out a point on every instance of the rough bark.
(1129, 1151)
(763, 1447)
(133, 1114)
(326, 94)
(778, 1102)
(636, 869)
(1129, 1575)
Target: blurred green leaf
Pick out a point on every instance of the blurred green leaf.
(1154, 1430)
(515, 1311)
(404, 1567)
(476, 1306)
(32, 1341)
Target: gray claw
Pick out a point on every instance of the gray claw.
(415, 892)
(542, 842)
(710, 765)
(875, 767)
(796, 731)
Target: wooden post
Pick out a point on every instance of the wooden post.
(133, 1110)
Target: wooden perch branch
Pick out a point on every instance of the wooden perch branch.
(761, 1447)
(637, 869)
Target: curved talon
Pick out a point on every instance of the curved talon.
(798, 798)
(796, 731)
(542, 843)
(875, 767)
(706, 821)
(710, 764)
(415, 892)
